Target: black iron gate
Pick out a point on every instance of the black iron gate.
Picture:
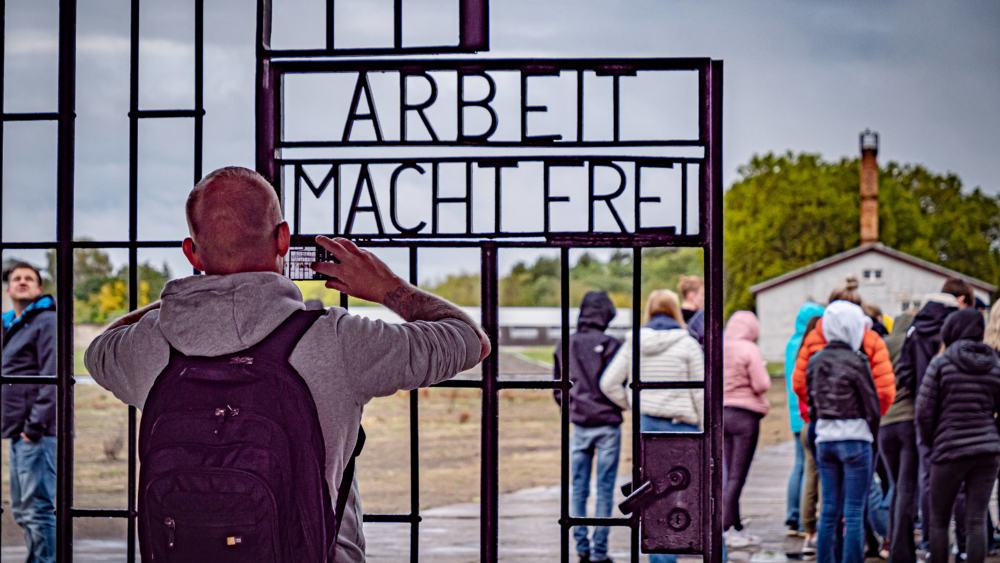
(292, 164)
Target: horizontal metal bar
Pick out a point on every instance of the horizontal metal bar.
(540, 66)
(393, 518)
(530, 240)
(580, 521)
(489, 160)
(667, 385)
(31, 116)
(29, 379)
(529, 384)
(167, 113)
(499, 144)
(92, 244)
(354, 52)
(99, 513)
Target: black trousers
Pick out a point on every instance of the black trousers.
(977, 474)
(898, 445)
(741, 429)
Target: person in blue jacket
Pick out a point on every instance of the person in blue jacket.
(793, 498)
(29, 410)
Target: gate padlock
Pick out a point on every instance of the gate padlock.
(677, 479)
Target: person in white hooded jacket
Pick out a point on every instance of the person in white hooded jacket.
(668, 353)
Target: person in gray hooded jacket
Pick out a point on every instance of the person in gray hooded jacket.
(238, 238)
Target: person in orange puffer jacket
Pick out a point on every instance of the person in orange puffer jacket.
(873, 346)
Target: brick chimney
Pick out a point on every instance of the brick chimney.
(869, 187)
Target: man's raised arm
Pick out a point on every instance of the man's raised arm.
(360, 273)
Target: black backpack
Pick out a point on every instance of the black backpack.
(233, 459)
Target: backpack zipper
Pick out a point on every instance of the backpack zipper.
(171, 529)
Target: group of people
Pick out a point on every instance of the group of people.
(893, 423)
(670, 349)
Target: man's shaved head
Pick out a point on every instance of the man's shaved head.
(233, 215)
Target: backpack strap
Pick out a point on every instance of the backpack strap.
(289, 332)
(344, 490)
(286, 337)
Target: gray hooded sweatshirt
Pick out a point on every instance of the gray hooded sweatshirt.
(344, 359)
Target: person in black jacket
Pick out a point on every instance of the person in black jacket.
(957, 405)
(923, 342)
(29, 410)
(845, 407)
(596, 419)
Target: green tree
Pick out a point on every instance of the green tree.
(788, 211)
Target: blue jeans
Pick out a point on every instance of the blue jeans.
(584, 442)
(877, 509)
(845, 474)
(656, 424)
(793, 495)
(33, 495)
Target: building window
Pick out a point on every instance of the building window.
(872, 274)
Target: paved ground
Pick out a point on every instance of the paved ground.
(529, 529)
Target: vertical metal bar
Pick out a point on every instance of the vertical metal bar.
(489, 483)
(199, 85)
(684, 198)
(712, 227)
(474, 17)
(397, 24)
(3, 57)
(579, 106)
(329, 24)
(414, 446)
(636, 419)
(3, 60)
(564, 386)
(264, 103)
(64, 258)
(133, 197)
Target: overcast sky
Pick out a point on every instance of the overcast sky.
(799, 76)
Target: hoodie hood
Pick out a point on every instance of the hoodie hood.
(239, 310)
(743, 325)
(42, 303)
(972, 357)
(806, 312)
(931, 316)
(596, 311)
(965, 324)
(653, 341)
(845, 322)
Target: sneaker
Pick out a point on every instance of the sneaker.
(809, 547)
(739, 539)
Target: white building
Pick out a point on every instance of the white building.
(888, 278)
(893, 280)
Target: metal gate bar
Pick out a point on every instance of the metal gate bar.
(708, 237)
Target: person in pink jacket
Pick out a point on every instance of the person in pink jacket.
(745, 383)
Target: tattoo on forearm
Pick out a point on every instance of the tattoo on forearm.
(417, 305)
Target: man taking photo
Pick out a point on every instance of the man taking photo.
(234, 312)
